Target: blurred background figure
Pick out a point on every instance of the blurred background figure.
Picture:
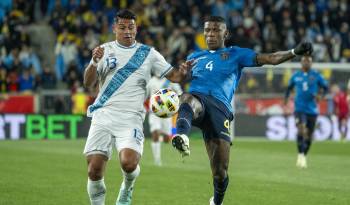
(160, 128)
(341, 109)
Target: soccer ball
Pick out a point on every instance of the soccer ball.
(164, 103)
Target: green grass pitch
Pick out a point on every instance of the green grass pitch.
(261, 173)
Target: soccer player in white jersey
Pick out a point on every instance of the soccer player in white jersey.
(122, 68)
(160, 127)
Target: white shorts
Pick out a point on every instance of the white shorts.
(157, 123)
(103, 137)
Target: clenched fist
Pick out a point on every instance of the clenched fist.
(97, 54)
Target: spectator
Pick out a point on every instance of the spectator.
(47, 79)
(26, 81)
(3, 81)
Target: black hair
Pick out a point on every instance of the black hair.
(124, 14)
(215, 19)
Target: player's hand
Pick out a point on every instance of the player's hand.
(97, 54)
(186, 67)
(304, 48)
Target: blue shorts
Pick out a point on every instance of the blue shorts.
(214, 120)
(307, 119)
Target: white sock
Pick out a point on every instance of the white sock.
(130, 178)
(96, 191)
(156, 150)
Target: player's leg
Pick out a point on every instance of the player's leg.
(311, 123)
(189, 110)
(129, 162)
(343, 128)
(216, 133)
(219, 155)
(156, 147)
(96, 187)
(97, 151)
(130, 147)
(155, 126)
(300, 120)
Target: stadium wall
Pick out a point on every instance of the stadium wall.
(273, 127)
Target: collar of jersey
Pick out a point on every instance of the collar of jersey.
(214, 51)
(125, 47)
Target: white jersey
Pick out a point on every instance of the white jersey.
(123, 74)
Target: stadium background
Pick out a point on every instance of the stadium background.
(45, 45)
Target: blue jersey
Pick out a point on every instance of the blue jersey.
(307, 85)
(217, 73)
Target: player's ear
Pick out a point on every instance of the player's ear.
(227, 34)
(114, 27)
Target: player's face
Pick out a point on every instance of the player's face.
(125, 31)
(306, 62)
(215, 34)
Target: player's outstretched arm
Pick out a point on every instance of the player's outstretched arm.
(276, 58)
(181, 74)
(90, 73)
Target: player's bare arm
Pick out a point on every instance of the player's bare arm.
(180, 74)
(90, 74)
(282, 56)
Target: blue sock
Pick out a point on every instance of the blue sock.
(184, 119)
(307, 145)
(300, 144)
(219, 190)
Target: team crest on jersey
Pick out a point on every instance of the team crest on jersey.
(224, 55)
(312, 78)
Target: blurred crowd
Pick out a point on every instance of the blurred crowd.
(174, 27)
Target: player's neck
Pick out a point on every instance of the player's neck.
(214, 50)
(123, 45)
(305, 70)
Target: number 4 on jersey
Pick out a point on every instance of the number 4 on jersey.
(209, 65)
(305, 86)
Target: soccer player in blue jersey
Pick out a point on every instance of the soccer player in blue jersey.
(309, 87)
(214, 79)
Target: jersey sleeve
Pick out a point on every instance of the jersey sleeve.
(160, 67)
(247, 57)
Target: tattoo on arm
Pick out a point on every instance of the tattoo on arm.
(274, 58)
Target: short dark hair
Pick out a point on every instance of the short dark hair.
(124, 14)
(215, 19)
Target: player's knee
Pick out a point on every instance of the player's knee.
(185, 98)
(128, 165)
(302, 131)
(95, 172)
(194, 104)
(220, 174)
